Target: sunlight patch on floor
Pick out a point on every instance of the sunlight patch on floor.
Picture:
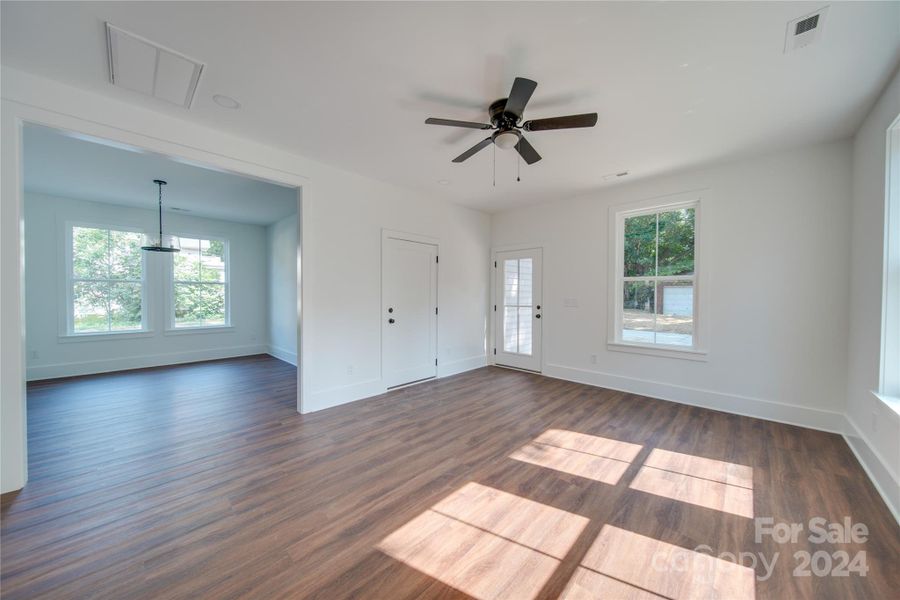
(623, 564)
(715, 484)
(580, 454)
(487, 543)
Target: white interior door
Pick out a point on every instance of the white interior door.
(409, 311)
(517, 312)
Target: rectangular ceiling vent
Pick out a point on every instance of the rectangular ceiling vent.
(805, 30)
(140, 65)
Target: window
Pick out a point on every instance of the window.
(106, 273)
(889, 387)
(200, 284)
(656, 277)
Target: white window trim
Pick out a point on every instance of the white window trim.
(171, 328)
(889, 373)
(67, 331)
(617, 215)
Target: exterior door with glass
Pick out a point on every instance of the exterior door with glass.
(517, 312)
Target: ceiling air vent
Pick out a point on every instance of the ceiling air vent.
(140, 65)
(804, 31)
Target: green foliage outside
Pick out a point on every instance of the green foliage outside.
(199, 283)
(107, 271)
(672, 254)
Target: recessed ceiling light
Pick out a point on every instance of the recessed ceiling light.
(684, 65)
(226, 101)
(444, 182)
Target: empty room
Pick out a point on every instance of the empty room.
(477, 300)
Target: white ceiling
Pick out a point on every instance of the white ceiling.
(675, 84)
(60, 165)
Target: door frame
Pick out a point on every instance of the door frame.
(492, 321)
(394, 234)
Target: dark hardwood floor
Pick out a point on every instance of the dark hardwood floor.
(201, 481)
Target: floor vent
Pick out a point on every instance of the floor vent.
(805, 30)
(140, 65)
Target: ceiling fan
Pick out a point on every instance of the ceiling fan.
(505, 115)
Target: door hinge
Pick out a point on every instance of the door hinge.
(435, 362)
(495, 308)
(495, 264)
(495, 351)
(436, 258)
(435, 310)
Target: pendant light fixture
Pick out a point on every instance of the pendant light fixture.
(168, 243)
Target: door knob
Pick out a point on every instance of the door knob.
(390, 310)
(391, 321)
(537, 316)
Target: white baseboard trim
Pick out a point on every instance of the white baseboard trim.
(109, 365)
(335, 396)
(875, 467)
(282, 354)
(342, 394)
(790, 414)
(462, 365)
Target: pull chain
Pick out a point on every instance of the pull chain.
(518, 166)
(495, 164)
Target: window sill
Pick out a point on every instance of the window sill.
(103, 336)
(892, 402)
(200, 329)
(658, 350)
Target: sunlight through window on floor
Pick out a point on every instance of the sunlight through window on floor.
(623, 564)
(715, 484)
(589, 456)
(487, 543)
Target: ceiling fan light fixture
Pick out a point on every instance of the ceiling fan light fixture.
(506, 139)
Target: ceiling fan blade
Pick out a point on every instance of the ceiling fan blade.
(567, 122)
(452, 123)
(527, 151)
(519, 95)
(480, 145)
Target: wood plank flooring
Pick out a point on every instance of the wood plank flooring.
(201, 481)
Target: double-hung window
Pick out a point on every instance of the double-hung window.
(105, 281)
(200, 284)
(656, 302)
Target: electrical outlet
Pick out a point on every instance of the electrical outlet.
(350, 370)
(593, 359)
(35, 354)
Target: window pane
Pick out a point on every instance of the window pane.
(90, 253)
(125, 255)
(676, 242)
(510, 329)
(511, 281)
(640, 246)
(199, 304)
(525, 281)
(675, 321)
(187, 262)
(212, 260)
(124, 306)
(637, 318)
(89, 302)
(525, 330)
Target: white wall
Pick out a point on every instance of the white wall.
(45, 218)
(874, 430)
(342, 218)
(281, 241)
(776, 224)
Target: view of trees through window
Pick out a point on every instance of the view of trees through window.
(199, 283)
(106, 280)
(658, 285)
